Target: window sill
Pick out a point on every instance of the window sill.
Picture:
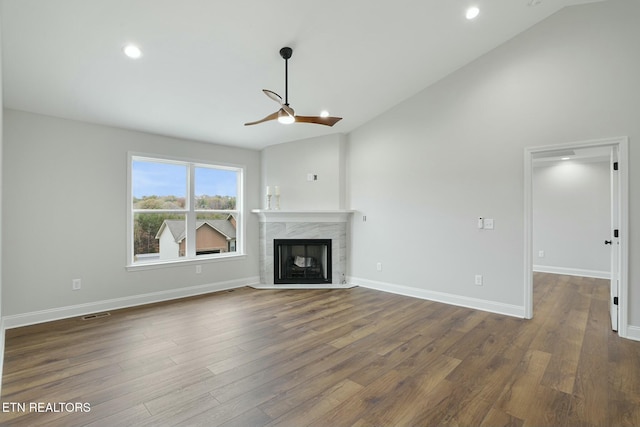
(183, 263)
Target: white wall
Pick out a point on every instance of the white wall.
(287, 166)
(1, 235)
(425, 170)
(65, 217)
(572, 218)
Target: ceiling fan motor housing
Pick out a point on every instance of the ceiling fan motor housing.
(286, 52)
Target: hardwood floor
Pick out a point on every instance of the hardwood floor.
(354, 357)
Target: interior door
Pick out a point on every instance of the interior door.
(614, 240)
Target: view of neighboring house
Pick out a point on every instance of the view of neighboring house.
(212, 236)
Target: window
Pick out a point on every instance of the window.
(181, 210)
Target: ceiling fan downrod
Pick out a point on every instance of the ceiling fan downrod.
(286, 53)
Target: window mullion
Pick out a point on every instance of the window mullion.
(239, 208)
(191, 213)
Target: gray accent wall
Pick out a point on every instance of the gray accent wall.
(424, 171)
(288, 166)
(1, 236)
(65, 212)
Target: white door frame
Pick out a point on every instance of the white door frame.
(622, 144)
(614, 176)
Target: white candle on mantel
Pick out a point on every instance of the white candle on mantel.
(277, 190)
(268, 190)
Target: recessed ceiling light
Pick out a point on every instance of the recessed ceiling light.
(132, 51)
(472, 12)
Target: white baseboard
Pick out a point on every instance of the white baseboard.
(572, 271)
(633, 333)
(24, 319)
(462, 301)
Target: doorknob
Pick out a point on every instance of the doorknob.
(607, 242)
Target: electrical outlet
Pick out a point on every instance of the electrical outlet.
(540, 254)
(379, 266)
(198, 269)
(76, 284)
(478, 279)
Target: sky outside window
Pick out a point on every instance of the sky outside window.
(216, 182)
(166, 179)
(158, 179)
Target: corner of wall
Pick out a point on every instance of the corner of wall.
(2, 333)
(1, 148)
(633, 333)
(342, 171)
(310, 173)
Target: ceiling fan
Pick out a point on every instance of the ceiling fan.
(285, 114)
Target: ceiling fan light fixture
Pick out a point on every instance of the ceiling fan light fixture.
(472, 12)
(132, 51)
(285, 118)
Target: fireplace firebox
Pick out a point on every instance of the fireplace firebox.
(302, 261)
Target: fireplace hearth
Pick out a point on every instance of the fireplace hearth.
(302, 261)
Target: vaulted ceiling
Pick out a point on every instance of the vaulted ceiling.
(204, 62)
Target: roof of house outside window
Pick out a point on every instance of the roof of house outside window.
(177, 228)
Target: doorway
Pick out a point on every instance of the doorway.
(617, 149)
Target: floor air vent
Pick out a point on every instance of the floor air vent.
(95, 316)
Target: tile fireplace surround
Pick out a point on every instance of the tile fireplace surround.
(277, 224)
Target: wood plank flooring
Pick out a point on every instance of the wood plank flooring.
(353, 357)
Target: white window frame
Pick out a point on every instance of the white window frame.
(190, 213)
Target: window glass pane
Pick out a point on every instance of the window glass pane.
(157, 185)
(158, 236)
(216, 233)
(215, 188)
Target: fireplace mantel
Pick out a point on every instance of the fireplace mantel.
(273, 215)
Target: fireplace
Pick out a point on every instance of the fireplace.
(306, 225)
(302, 261)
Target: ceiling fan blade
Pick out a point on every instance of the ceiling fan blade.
(327, 121)
(272, 116)
(271, 94)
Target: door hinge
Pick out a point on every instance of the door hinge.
(616, 233)
(615, 166)
(615, 300)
